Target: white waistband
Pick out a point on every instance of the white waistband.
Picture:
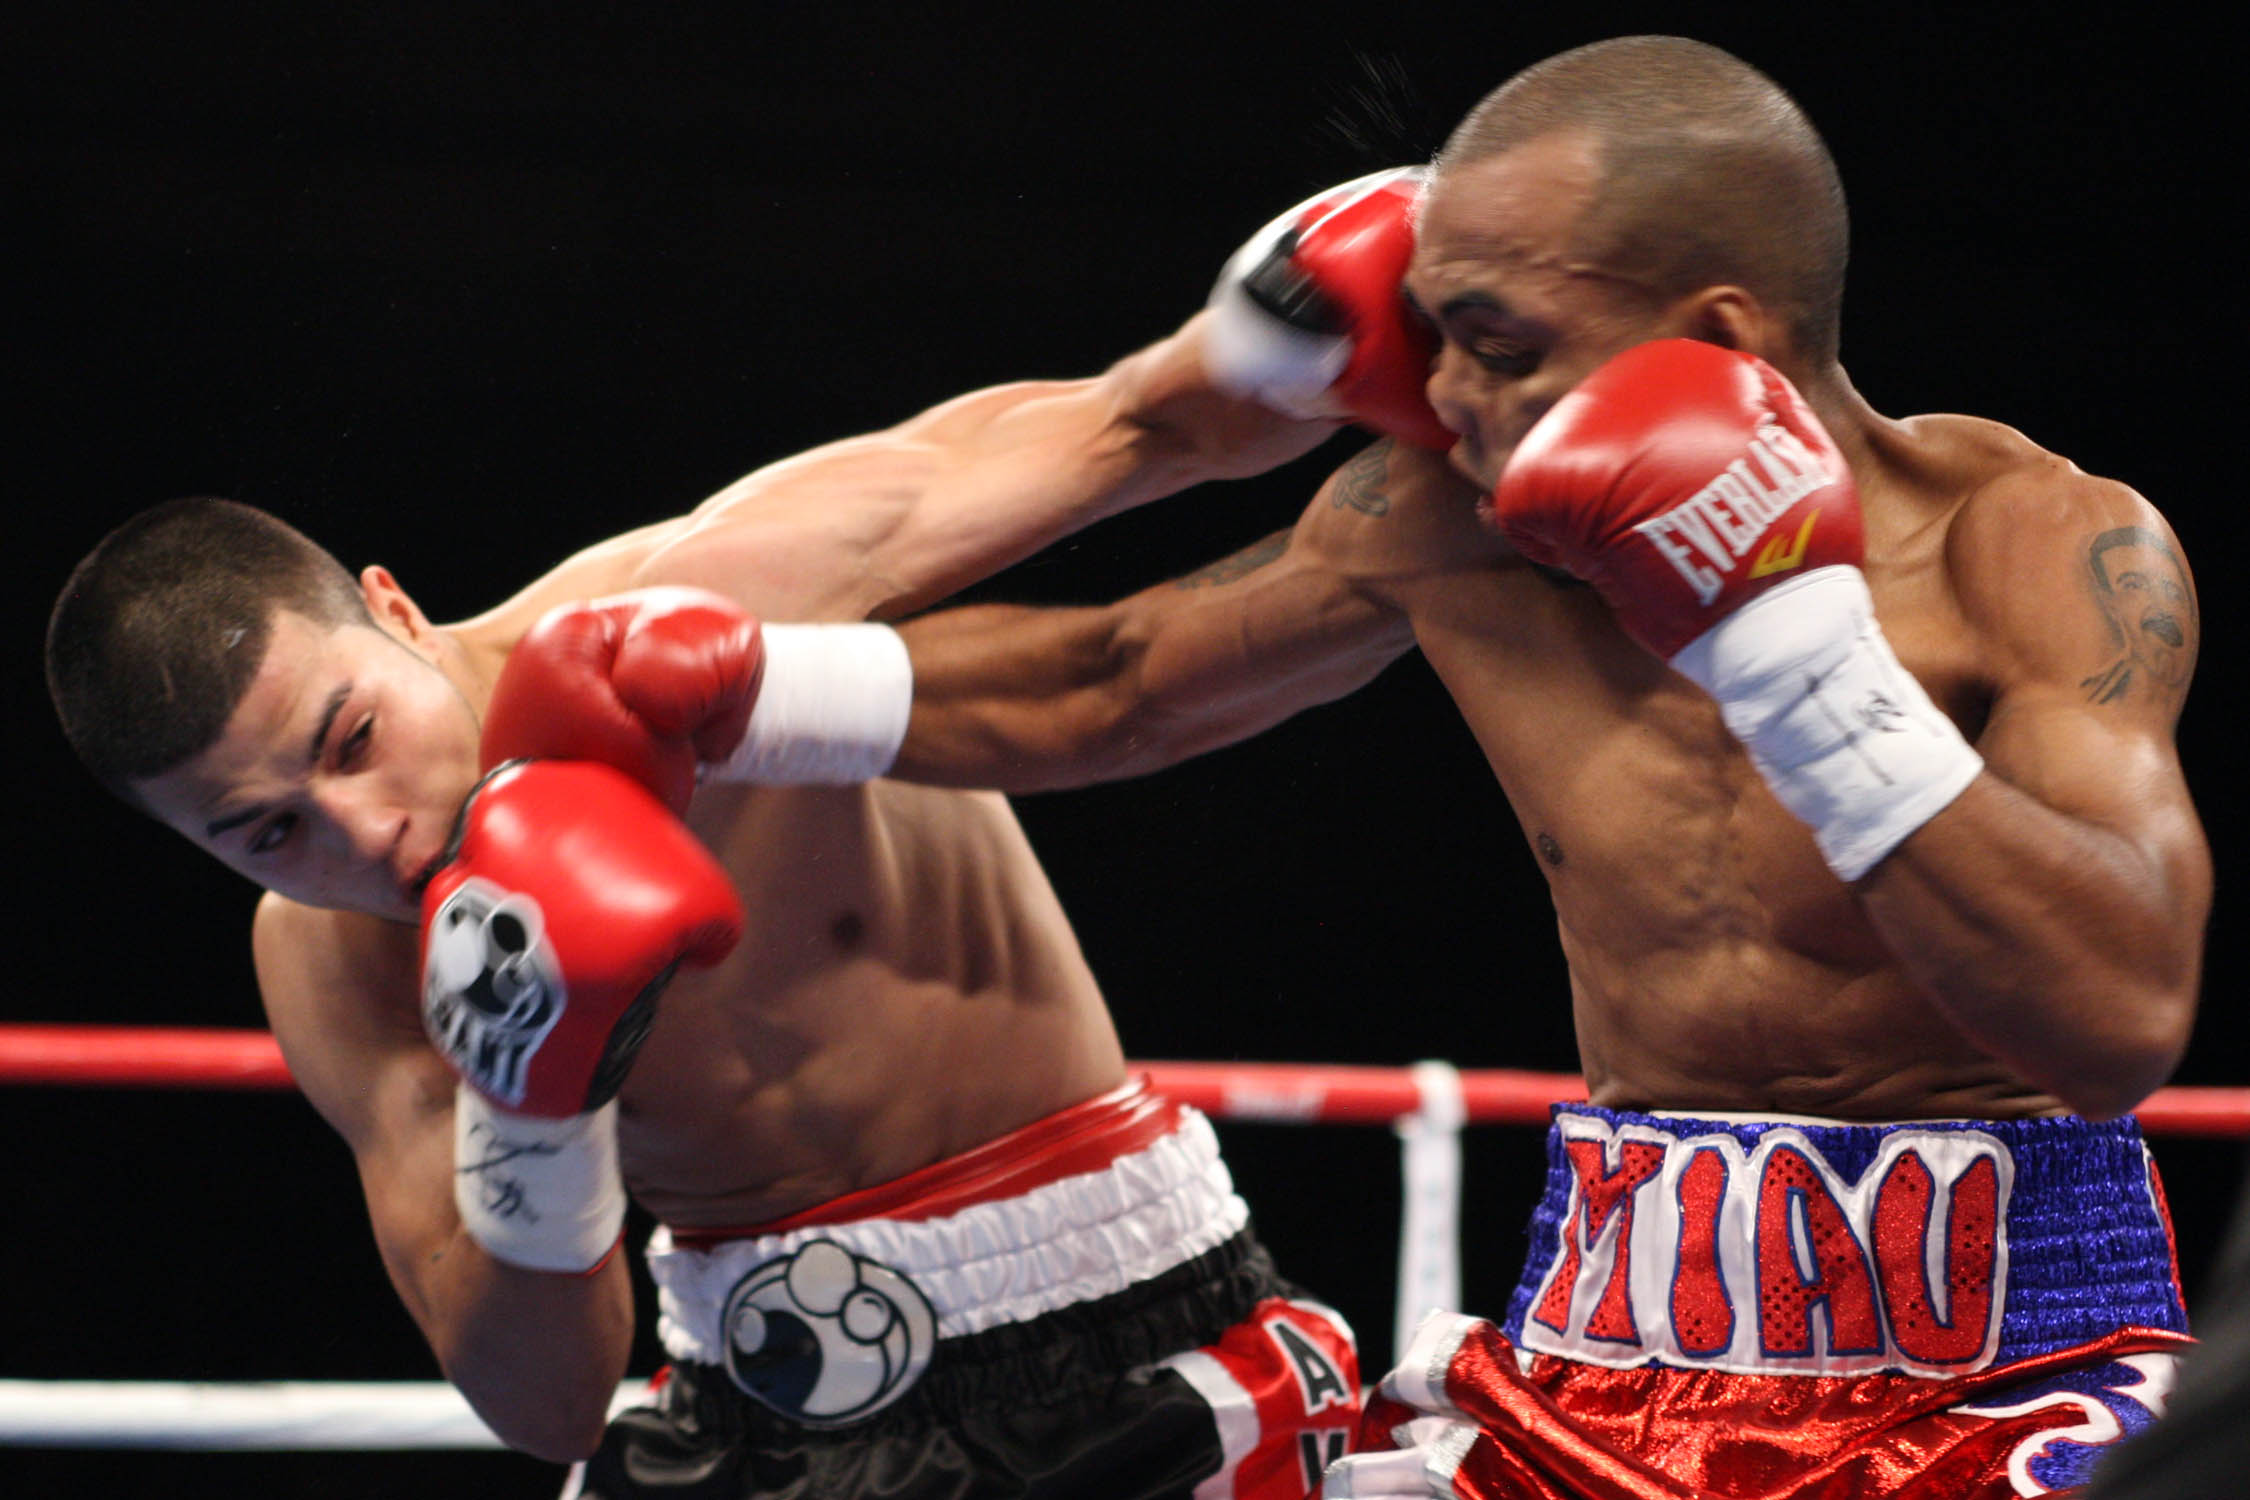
(1068, 1241)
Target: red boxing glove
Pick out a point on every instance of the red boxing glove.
(651, 682)
(1694, 488)
(569, 898)
(1308, 319)
(1680, 479)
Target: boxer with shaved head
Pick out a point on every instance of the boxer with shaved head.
(1845, 745)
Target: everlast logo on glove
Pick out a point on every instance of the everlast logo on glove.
(1726, 518)
(491, 988)
(1678, 462)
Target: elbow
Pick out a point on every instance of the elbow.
(568, 1447)
(2111, 1098)
(2108, 1099)
(560, 1430)
(554, 1409)
(2135, 1057)
(565, 1452)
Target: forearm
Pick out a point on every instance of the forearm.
(2039, 886)
(538, 1354)
(505, 1250)
(1036, 699)
(883, 525)
(1018, 468)
(1016, 698)
(2062, 948)
(1198, 432)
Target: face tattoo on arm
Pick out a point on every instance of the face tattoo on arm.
(2143, 589)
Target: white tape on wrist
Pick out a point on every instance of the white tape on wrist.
(832, 707)
(1249, 352)
(537, 1193)
(1842, 733)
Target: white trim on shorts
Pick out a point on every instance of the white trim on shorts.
(1006, 1261)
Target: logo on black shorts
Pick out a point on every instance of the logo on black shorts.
(826, 1337)
(491, 989)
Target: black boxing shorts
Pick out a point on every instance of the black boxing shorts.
(1075, 1311)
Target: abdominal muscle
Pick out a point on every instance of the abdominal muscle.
(907, 989)
(1715, 961)
(1756, 1028)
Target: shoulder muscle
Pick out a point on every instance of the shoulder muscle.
(340, 992)
(2077, 583)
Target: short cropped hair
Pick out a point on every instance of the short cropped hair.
(161, 628)
(1710, 174)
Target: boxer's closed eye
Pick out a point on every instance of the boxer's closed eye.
(354, 747)
(274, 834)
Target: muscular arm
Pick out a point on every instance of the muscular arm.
(877, 526)
(1028, 699)
(2056, 909)
(537, 1355)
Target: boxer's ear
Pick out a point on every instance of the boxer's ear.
(1727, 316)
(394, 610)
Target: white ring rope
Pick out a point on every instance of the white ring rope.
(370, 1416)
(279, 1415)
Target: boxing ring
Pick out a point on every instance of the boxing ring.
(1428, 1106)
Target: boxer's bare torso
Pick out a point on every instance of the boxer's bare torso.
(1715, 961)
(907, 987)
(2033, 945)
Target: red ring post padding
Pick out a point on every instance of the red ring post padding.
(209, 1057)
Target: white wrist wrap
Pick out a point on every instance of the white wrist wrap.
(1247, 351)
(1842, 733)
(537, 1193)
(832, 707)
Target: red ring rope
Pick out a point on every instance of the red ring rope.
(204, 1057)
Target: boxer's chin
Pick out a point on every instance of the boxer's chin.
(390, 904)
(1469, 459)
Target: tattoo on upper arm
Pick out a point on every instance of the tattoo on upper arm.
(1227, 569)
(1358, 485)
(2142, 587)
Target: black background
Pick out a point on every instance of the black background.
(460, 289)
